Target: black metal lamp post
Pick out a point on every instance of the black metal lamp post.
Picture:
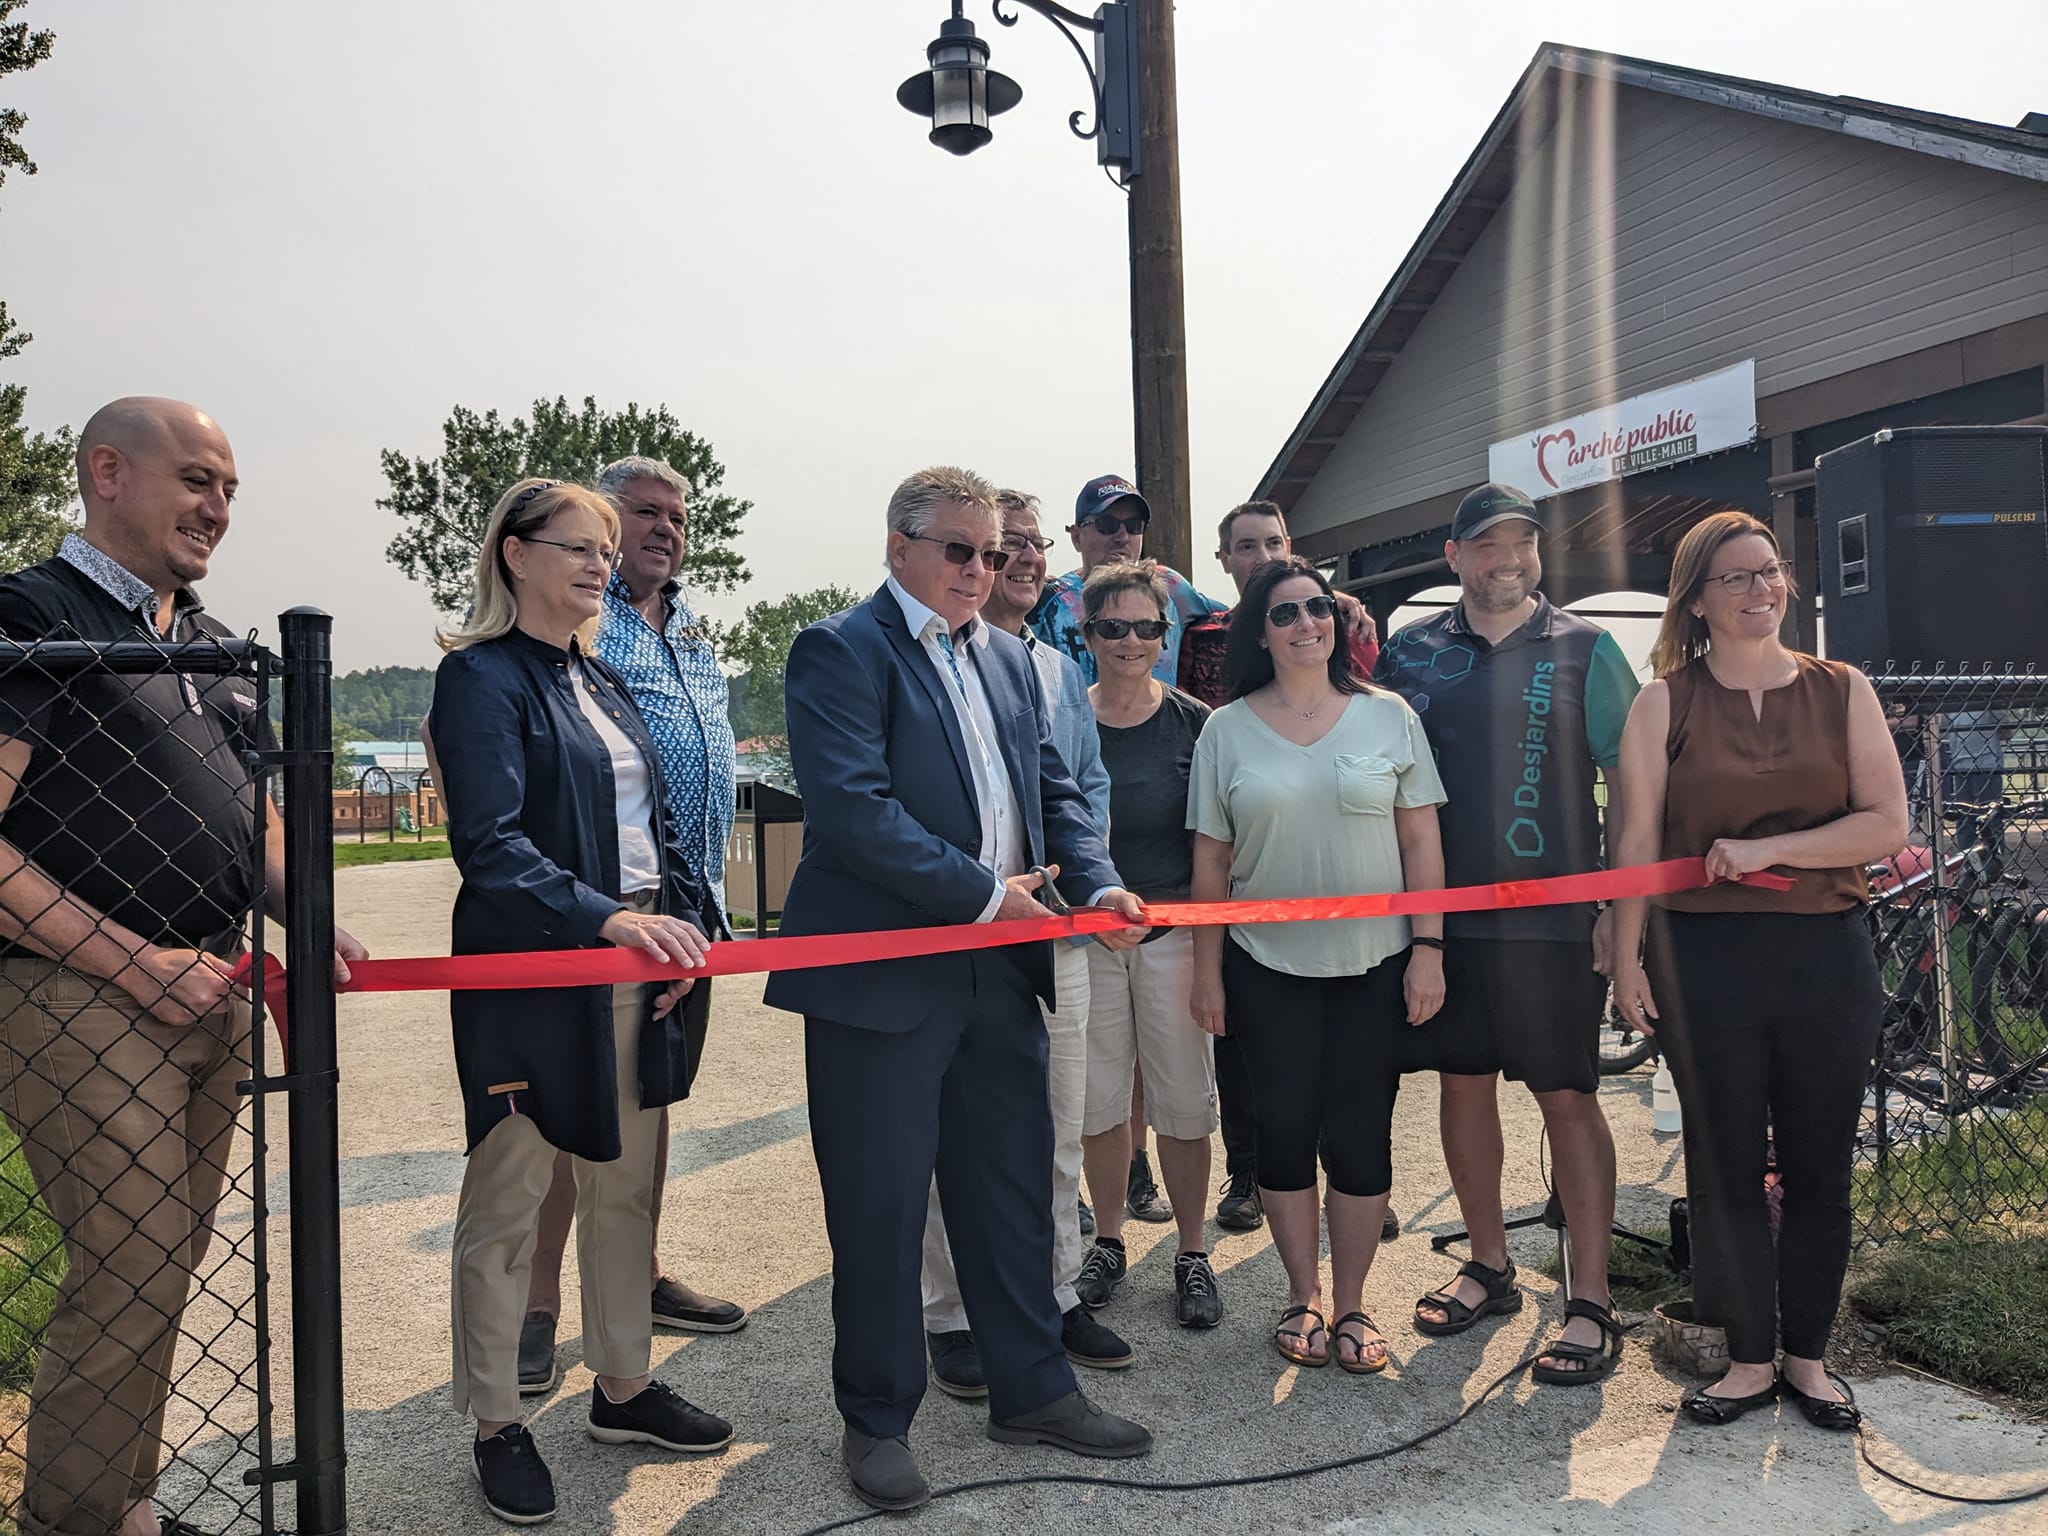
(1135, 127)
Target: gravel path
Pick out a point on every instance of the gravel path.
(743, 1219)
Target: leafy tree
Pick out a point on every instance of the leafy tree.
(38, 485)
(382, 703)
(757, 647)
(445, 502)
(20, 51)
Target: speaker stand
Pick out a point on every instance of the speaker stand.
(1552, 1216)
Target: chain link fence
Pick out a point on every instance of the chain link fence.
(139, 849)
(1955, 1125)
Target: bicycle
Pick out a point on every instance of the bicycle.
(1998, 949)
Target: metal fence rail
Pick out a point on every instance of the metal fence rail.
(1955, 1125)
(134, 1193)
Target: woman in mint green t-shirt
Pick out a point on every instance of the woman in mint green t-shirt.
(1310, 782)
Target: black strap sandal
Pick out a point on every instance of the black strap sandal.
(1821, 1412)
(1591, 1362)
(1298, 1354)
(1503, 1296)
(1358, 1365)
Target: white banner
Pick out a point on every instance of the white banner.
(1666, 426)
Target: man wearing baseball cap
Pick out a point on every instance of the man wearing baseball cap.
(1522, 703)
(1110, 518)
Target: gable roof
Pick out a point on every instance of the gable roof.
(1482, 185)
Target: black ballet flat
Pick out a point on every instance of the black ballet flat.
(1704, 1408)
(1821, 1412)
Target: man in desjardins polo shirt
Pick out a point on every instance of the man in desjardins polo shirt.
(1522, 703)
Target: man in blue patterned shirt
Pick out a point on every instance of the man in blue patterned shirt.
(649, 635)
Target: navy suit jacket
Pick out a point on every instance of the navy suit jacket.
(892, 831)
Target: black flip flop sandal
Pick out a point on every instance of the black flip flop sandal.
(1299, 1356)
(1596, 1362)
(1503, 1296)
(1358, 1365)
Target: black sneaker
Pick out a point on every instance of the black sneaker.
(1087, 1342)
(657, 1415)
(538, 1371)
(1143, 1199)
(516, 1482)
(1196, 1303)
(956, 1364)
(1390, 1226)
(1102, 1270)
(1087, 1219)
(1240, 1209)
(171, 1525)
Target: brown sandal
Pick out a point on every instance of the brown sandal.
(1298, 1354)
(1358, 1365)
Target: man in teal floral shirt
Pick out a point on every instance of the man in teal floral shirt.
(650, 636)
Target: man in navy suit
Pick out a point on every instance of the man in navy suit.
(919, 738)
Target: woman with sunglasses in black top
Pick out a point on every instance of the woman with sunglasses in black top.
(1138, 1019)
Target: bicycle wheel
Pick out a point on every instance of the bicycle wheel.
(2008, 1037)
(1623, 1047)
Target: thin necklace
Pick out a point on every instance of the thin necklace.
(1306, 714)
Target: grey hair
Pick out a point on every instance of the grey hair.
(1107, 581)
(620, 473)
(918, 499)
(1016, 501)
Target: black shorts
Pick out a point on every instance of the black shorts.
(1527, 1008)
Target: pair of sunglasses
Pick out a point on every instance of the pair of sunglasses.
(1287, 615)
(1116, 629)
(1108, 523)
(960, 554)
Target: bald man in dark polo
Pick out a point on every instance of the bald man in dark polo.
(127, 868)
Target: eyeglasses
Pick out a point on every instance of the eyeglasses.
(1287, 615)
(959, 554)
(1741, 583)
(582, 554)
(1108, 522)
(1116, 629)
(1017, 543)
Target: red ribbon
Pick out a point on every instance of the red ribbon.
(597, 967)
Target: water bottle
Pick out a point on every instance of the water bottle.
(1664, 1113)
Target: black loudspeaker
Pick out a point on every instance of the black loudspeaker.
(1934, 547)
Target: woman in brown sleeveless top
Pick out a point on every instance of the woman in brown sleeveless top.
(1767, 1003)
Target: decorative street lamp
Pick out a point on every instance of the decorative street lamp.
(960, 93)
(1134, 124)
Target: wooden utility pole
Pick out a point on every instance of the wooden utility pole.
(1159, 327)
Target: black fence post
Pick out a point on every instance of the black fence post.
(315, 1119)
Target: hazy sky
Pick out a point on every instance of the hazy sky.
(328, 223)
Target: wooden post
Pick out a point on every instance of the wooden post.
(1159, 331)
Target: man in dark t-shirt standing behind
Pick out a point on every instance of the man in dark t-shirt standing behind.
(1522, 703)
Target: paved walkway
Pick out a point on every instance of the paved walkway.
(743, 1219)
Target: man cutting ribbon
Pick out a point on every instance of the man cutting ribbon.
(931, 786)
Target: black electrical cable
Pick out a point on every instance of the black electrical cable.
(1863, 1450)
(1249, 1480)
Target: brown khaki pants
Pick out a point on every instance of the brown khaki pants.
(127, 1124)
(497, 1219)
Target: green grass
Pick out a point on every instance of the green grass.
(377, 851)
(1972, 1307)
(31, 1264)
(1990, 1168)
